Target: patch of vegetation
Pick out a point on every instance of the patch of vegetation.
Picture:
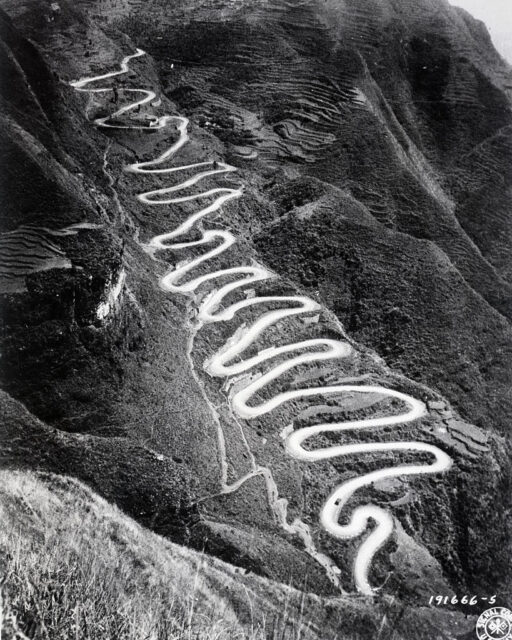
(296, 193)
(224, 125)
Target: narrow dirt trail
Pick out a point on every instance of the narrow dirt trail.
(228, 362)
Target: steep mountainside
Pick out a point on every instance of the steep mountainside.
(371, 142)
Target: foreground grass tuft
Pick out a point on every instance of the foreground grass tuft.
(75, 568)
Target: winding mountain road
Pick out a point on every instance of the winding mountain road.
(229, 362)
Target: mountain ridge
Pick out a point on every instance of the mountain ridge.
(113, 380)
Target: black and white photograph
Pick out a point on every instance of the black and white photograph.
(256, 320)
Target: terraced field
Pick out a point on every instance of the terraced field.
(31, 249)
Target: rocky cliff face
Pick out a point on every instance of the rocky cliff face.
(372, 140)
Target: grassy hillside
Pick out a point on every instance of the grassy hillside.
(74, 566)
